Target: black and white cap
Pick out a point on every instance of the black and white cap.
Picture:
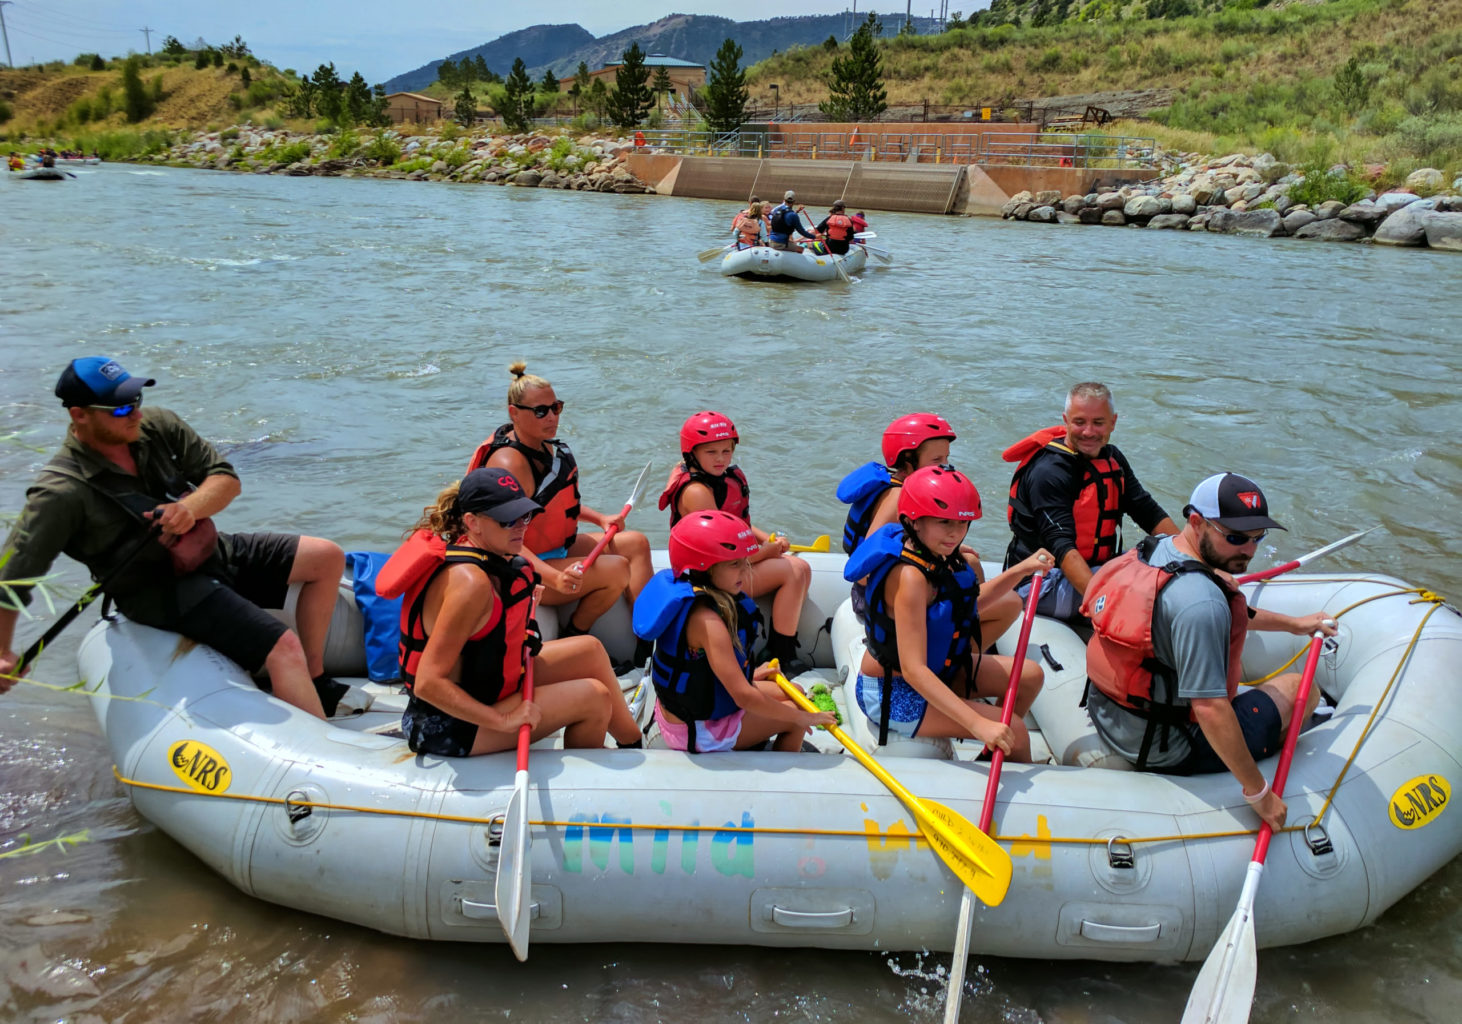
(1234, 502)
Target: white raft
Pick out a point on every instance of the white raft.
(764, 261)
(808, 849)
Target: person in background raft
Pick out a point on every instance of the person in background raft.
(527, 446)
(1169, 630)
(706, 479)
(910, 443)
(708, 697)
(837, 228)
(860, 222)
(123, 470)
(467, 633)
(1070, 490)
(750, 227)
(921, 626)
(784, 221)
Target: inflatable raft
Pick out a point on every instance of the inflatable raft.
(763, 848)
(41, 174)
(762, 261)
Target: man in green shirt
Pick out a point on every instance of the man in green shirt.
(123, 469)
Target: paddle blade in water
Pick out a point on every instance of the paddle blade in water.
(514, 873)
(1224, 991)
(976, 859)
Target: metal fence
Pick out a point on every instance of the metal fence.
(1024, 149)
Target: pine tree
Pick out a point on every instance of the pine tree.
(480, 69)
(726, 93)
(380, 108)
(136, 103)
(465, 109)
(661, 85)
(447, 73)
(517, 97)
(329, 95)
(630, 100)
(302, 102)
(548, 85)
(855, 85)
(357, 99)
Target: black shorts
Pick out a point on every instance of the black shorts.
(430, 730)
(224, 608)
(1263, 730)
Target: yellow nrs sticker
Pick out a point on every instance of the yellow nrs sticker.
(200, 766)
(1420, 801)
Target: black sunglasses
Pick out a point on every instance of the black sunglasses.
(540, 411)
(120, 410)
(1238, 540)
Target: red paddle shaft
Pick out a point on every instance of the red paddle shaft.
(604, 540)
(525, 731)
(1007, 710)
(1291, 737)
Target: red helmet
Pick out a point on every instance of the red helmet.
(702, 539)
(704, 427)
(940, 492)
(908, 432)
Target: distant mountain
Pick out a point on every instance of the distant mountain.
(694, 37)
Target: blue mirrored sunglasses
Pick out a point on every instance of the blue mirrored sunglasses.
(120, 410)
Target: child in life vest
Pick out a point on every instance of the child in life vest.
(706, 479)
(750, 227)
(467, 633)
(911, 443)
(923, 669)
(703, 624)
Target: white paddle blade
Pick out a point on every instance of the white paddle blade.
(514, 871)
(1224, 990)
(955, 992)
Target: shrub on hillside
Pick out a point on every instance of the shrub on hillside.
(136, 103)
(383, 149)
(6, 111)
(1322, 184)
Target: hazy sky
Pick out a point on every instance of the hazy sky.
(378, 38)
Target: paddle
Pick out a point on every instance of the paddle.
(976, 859)
(865, 234)
(514, 869)
(987, 812)
(634, 496)
(1224, 990)
(69, 615)
(706, 255)
(820, 543)
(1278, 570)
(834, 259)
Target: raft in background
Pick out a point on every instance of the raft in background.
(805, 849)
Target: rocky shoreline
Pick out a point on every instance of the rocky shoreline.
(584, 163)
(1243, 195)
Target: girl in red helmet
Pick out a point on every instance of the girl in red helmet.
(704, 625)
(923, 669)
(910, 443)
(707, 479)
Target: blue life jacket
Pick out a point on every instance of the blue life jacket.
(953, 623)
(862, 488)
(684, 681)
(382, 616)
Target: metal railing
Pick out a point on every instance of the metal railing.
(1060, 149)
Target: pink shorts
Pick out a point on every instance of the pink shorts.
(711, 736)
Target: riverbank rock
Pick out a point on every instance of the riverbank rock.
(1365, 213)
(1113, 218)
(1444, 231)
(1426, 179)
(1264, 223)
(1333, 230)
(1169, 221)
(528, 179)
(1407, 226)
(1294, 221)
(1329, 209)
(1142, 207)
(1393, 201)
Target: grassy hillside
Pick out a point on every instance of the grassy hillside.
(1366, 81)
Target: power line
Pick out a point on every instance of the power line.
(4, 33)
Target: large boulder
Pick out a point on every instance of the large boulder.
(1203, 190)
(1444, 231)
(1393, 201)
(1042, 214)
(1252, 192)
(1089, 215)
(1142, 207)
(1073, 204)
(1235, 194)
(1264, 223)
(528, 179)
(1363, 212)
(1169, 221)
(1329, 208)
(1022, 210)
(1427, 179)
(1114, 218)
(1407, 226)
(1186, 205)
(1218, 219)
(1048, 197)
(1294, 221)
(1111, 201)
(1333, 230)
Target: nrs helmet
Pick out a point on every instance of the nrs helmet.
(703, 539)
(705, 427)
(941, 492)
(906, 433)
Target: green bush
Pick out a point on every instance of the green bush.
(6, 111)
(1321, 184)
(454, 156)
(383, 149)
(123, 145)
(294, 152)
(229, 134)
(344, 145)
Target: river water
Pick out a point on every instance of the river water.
(346, 342)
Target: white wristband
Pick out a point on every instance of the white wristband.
(1253, 800)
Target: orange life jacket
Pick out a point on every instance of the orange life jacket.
(555, 487)
(492, 658)
(748, 229)
(1120, 656)
(839, 227)
(731, 491)
(1098, 506)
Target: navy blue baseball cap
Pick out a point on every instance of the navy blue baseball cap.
(98, 380)
(496, 493)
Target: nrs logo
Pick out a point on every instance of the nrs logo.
(200, 766)
(1099, 604)
(1420, 801)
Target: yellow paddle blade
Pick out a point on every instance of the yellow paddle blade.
(822, 543)
(976, 859)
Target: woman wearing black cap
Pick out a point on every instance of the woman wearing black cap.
(465, 623)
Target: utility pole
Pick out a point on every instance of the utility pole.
(147, 33)
(908, 15)
(6, 34)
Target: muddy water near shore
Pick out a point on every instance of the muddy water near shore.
(347, 341)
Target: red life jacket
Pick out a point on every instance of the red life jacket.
(839, 227)
(1098, 505)
(555, 487)
(493, 658)
(1120, 656)
(734, 499)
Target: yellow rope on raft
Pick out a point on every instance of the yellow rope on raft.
(1422, 597)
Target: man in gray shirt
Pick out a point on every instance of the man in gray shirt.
(1170, 703)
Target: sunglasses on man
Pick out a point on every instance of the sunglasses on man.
(119, 411)
(540, 411)
(1238, 540)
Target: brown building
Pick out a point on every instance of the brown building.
(413, 108)
(685, 77)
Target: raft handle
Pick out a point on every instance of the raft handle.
(1120, 855)
(495, 830)
(1050, 659)
(1318, 840)
(297, 806)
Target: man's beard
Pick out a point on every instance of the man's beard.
(1208, 551)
